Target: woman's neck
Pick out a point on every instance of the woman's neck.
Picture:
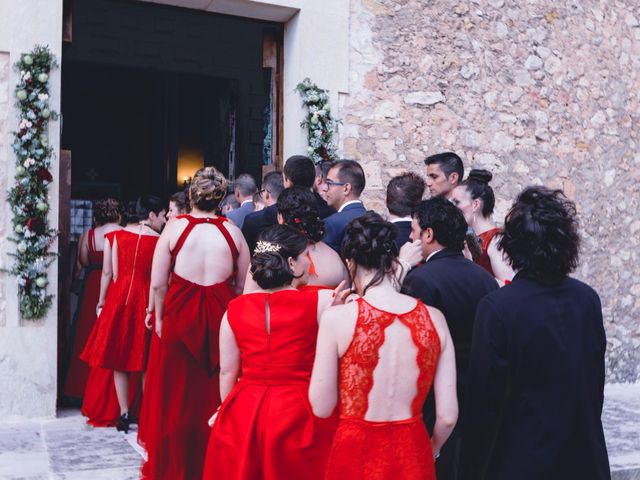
(362, 280)
(196, 212)
(482, 225)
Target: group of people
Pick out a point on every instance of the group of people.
(309, 338)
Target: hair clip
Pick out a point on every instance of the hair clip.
(266, 247)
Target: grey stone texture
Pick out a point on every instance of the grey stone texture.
(537, 93)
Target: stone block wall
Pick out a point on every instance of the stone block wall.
(537, 92)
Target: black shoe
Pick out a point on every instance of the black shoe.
(123, 423)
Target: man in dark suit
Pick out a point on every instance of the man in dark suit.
(455, 286)
(298, 170)
(342, 188)
(244, 187)
(536, 374)
(404, 192)
(254, 223)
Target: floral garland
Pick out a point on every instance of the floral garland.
(320, 125)
(29, 196)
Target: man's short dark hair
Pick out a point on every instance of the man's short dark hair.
(445, 219)
(245, 184)
(404, 192)
(449, 162)
(350, 171)
(300, 171)
(540, 235)
(273, 182)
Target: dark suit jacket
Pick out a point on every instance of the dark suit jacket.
(536, 382)
(455, 286)
(238, 215)
(404, 231)
(335, 224)
(255, 222)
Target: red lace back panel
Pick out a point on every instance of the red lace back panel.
(361, 358)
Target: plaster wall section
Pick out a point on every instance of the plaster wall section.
(535, 92)
(27, 349)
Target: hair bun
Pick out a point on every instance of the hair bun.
(480, 175)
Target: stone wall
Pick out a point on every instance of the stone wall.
(536, 92)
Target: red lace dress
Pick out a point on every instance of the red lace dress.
(185, 391)
(382, 450)
(84, 320)
(485, 239)
(120, 339)
(265, 428)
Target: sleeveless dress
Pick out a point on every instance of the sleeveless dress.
(119, 339)
(84, 320)
(382, 450)
(151, 390)
(186, 389)
(265, 428)
(485, 239)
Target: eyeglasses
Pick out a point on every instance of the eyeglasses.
(330, 183)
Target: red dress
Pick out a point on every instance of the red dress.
(84, 320)
(151, 389)
(485, 239)
(119, 339)
(186, 391)
(382, 450)
(265, 428)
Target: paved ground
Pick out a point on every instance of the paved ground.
(65, 448)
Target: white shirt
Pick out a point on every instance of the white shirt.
(348, 203)
(402, 219)
(247, 201)
(432, 254)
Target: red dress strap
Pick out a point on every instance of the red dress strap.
(91, 241)
(485, 240)
(193, 221)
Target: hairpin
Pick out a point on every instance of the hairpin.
(266, 247)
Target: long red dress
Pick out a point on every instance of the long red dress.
(382, 450)
(186, 391)
(119, 339)
(151, 391)
(485, 239)
(84, 320)
(265, 428)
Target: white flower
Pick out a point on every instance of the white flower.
(28, 162)
(22, 247)
(26, 76)
(43, 97)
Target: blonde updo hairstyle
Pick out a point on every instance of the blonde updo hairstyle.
(208, 187)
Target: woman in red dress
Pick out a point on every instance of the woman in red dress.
(298, 208)
(198, 267)
(377, 358)
(475, 198)
(265, 428)
(178, 205)
(106, 219)
(119, 339)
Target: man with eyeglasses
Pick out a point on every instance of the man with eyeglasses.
(343, 186)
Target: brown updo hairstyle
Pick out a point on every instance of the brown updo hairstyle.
(207, 189)
(370, 242)
(106, 210)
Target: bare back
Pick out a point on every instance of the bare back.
(394, 347)
(328, 269)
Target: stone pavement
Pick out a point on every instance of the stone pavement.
(65, 448)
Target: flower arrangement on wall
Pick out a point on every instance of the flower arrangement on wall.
(320, 125)
(28, 197)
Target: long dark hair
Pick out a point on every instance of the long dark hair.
(370, 243)
(299, 209)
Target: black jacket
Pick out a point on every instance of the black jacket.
(335, 224)
(255, 222)
(536, 382)
(403, 228)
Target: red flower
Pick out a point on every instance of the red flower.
(45, 175)
(36, 225)
(297, 220)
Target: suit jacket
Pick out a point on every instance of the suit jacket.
(536, 383)
(255, 222)
(335, 224)
(404, 231)
(238, 215)
(455, 286)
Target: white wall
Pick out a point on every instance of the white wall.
(28, 350)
